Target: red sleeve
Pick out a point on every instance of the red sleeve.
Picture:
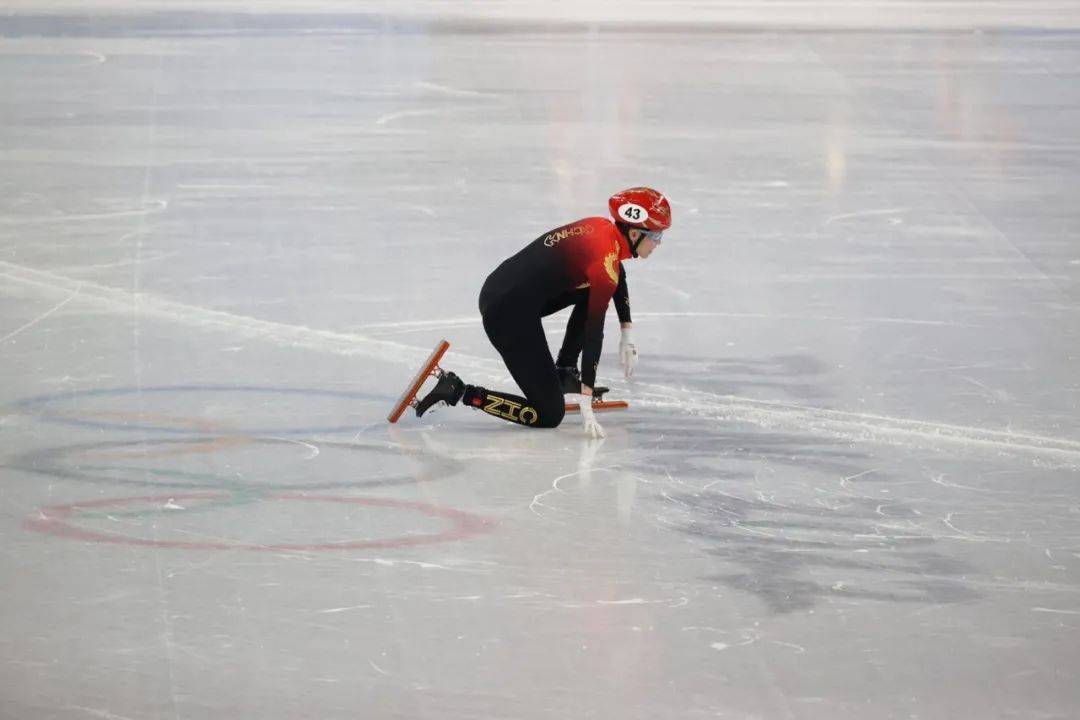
(603, 274)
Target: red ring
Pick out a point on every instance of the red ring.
(52, 521)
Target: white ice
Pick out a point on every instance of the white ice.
(847, 486)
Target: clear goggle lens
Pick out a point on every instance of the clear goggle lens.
(653, 235)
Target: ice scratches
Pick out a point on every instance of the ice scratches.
(103, 714)
(428, 87)
(731, 638)
(379, 669)
(421, 112)
(38, 319)
(668, 602)
(969, 537)
(799, 649)
(452, 91)
(458, 598)
(153, 207)
(536, 501)
(791, 554)
(772, 317)
(1055, 611)
(865, 213)
(139, 259)
(423, 565)
(331, 611)
(411, 325)
(313, 450)
(846, 425)
(581, 471)
(96, 57)
(852, 426)
(846, 480)
(939, 479)
(284, 335)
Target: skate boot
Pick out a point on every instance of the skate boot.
(448, 390)
(570, 379)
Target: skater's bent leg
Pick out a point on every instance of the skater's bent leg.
(515, 408)
(524, 348)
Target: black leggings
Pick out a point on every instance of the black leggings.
(524, 349)
(518, 335)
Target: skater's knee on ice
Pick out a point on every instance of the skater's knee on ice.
(551, 414)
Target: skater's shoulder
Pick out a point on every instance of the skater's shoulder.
(600, 227)
(604, 235)
(592, 224)
(584, 228)
(598, 224)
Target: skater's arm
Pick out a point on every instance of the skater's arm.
(621, 299)
(601, 288)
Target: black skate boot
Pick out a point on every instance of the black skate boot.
(571, 382)
(448, 390)
(570, 379)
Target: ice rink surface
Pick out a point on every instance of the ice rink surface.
(847, 487)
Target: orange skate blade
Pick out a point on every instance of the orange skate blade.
(414, 387)
(599, 406)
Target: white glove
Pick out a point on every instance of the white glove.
(588, 419)
(627, 353)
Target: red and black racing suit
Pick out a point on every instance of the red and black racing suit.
(578, 264)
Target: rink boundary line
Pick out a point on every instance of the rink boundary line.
(840, 423)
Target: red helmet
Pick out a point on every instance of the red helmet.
(641, 207)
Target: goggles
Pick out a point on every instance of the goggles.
(653, 235)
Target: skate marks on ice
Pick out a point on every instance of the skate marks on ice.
(284, 335)
(843, 425)
(867, 549)
(720, 388)
(799, 377)
(846, 425)
(39, 318)
(145, 305)
(796, 519)
(146, 209)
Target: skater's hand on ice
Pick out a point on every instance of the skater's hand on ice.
(627, 353)
(592, 428)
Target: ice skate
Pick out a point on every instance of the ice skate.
(430, 368)
(570, 379)
(448, 390)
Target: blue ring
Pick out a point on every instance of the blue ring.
(38, 406)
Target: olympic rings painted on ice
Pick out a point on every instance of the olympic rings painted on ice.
(58, 520)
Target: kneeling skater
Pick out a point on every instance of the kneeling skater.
(579, 264)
